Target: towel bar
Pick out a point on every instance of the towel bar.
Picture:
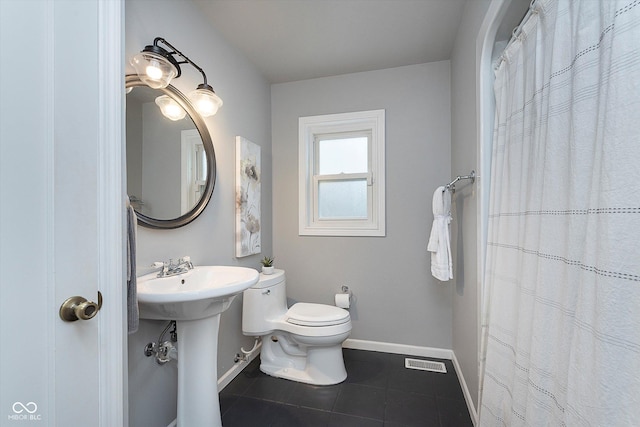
(452, 185)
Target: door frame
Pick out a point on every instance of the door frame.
(112, 347)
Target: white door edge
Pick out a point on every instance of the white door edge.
(111, 207)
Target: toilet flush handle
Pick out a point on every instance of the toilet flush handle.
(267, 292)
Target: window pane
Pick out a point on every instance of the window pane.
(342, 199)
(345, 155)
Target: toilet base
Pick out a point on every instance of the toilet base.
(281, 357)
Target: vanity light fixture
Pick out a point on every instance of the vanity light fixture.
(157, 66)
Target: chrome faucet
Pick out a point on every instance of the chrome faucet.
(183, 265)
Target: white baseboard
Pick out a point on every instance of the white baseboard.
(228, 376)
(465, 390)
(411, 350)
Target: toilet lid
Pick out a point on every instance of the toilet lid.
(307, 314)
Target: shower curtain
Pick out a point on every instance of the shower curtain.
(561, 317)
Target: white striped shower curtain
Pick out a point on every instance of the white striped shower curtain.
(561, 317)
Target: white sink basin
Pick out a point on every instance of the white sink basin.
(202, 292)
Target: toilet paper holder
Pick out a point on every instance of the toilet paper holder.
(343, 299)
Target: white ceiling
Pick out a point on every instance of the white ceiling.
(291, 40)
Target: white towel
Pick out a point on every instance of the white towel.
(440, 240)
(132, 289)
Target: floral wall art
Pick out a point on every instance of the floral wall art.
(247, 197)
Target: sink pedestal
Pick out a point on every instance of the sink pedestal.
(198, 402)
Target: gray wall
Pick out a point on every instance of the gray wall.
(210, 238)
(464, 158)
(396, 298)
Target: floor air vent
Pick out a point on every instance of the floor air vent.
(425, 365)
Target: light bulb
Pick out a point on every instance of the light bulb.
(170, 108)
(153, 69)
(205, 101)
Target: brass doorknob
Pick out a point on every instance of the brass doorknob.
(78, 308)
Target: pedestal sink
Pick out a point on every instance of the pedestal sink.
(195, 300)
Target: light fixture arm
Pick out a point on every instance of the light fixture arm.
(175, 51)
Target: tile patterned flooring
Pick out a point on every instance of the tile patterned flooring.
(379, 391)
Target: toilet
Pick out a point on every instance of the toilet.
(302, 343)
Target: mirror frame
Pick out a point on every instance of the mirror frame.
(132, 81)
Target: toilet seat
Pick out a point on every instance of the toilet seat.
(309, 314)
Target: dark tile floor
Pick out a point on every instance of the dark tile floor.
(379, 391)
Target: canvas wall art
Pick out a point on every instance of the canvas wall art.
(247, 197)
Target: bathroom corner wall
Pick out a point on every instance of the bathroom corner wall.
(396, 298)
(464, 158)
(210, 239)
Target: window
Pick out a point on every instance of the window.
(341, 174)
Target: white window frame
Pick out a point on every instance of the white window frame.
(363, 122)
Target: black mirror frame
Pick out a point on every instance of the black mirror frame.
(131, 81)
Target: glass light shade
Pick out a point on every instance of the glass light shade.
(205, 101)
(170, 108)
(154, 70)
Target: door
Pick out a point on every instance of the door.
(61, 212)
(193, 169)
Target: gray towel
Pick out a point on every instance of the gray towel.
(133, 315)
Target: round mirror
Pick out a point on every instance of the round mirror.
(171, 164)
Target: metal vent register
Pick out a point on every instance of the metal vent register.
(425, 365)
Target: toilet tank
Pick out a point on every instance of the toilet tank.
(264, 303)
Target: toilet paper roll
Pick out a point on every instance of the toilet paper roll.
(343, 300)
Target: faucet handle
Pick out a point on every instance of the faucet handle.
(163, 266)
(186, 260)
